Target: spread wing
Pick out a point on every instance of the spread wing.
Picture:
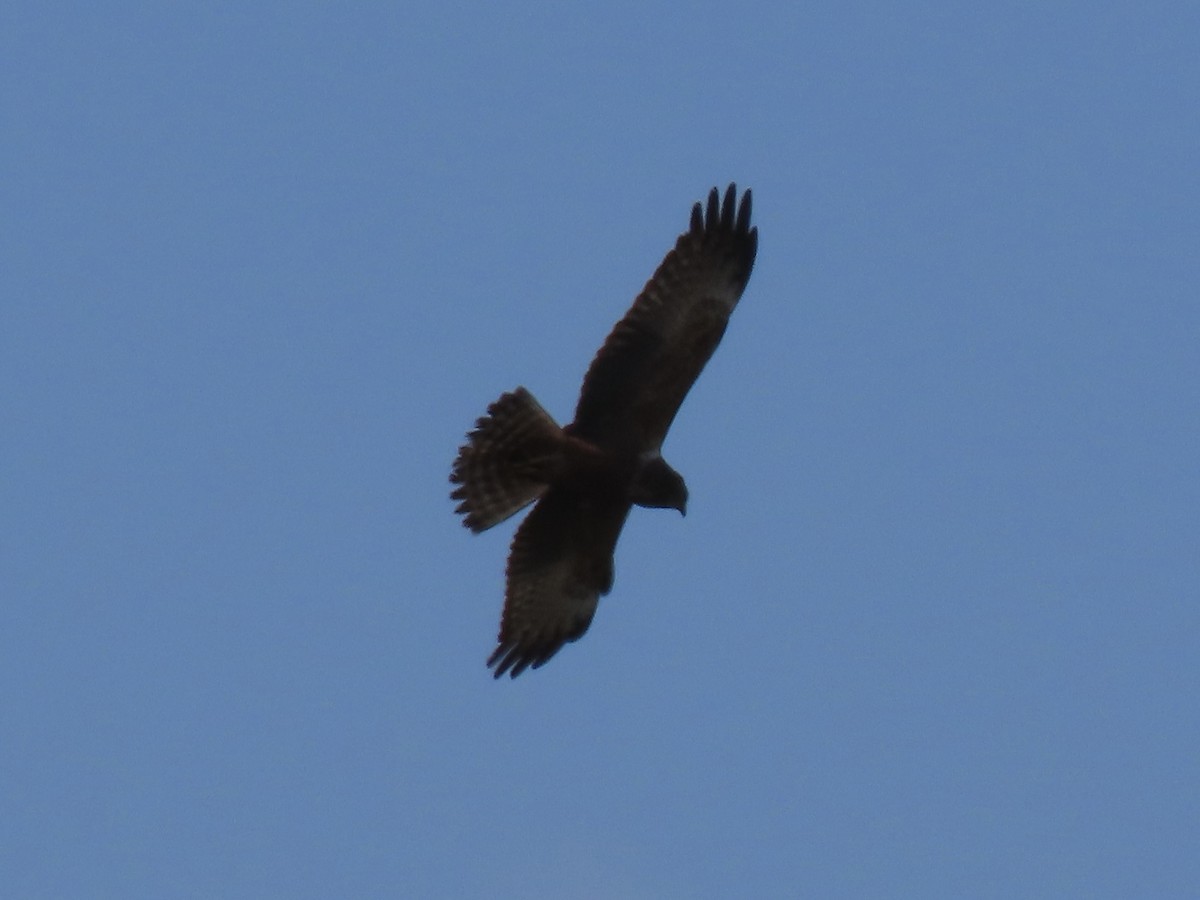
(638, 380)
(560, 565)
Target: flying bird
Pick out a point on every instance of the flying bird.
(586, 476)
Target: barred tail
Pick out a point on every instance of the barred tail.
(508, 461)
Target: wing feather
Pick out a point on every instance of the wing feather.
(638, 380)
(560, 565)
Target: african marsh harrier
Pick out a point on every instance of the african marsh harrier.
(586, 476)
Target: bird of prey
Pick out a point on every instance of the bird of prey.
(586, 476)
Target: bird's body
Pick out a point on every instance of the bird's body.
(586, 477)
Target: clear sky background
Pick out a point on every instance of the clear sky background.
(931, 627)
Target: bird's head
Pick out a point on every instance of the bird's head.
(657, 486)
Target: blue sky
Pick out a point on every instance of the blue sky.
(931, 626)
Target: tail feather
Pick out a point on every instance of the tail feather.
(508, 461)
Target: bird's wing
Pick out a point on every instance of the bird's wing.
(638, 380)
(560, 565)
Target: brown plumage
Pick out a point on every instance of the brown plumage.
(586, 477)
